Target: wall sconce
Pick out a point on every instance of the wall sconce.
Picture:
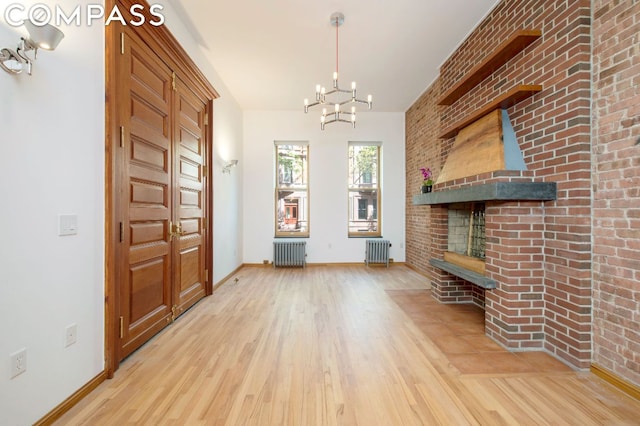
(229, 165)
(44, 36)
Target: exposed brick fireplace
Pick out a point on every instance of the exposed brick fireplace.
(538, 251)
(510, 287)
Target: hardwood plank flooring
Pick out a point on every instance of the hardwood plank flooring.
(341, 345)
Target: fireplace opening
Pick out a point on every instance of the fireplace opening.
(466, 223)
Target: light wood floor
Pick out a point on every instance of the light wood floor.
(343, 345)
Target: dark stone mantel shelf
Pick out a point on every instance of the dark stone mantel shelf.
(497, 191)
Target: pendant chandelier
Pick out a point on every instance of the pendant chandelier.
(336, 113)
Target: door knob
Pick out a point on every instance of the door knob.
(175, 230)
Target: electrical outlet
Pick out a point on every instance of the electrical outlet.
(70, 333)
(18, 362)
(265, 262)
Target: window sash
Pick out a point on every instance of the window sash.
(364, 187)
(291, 212)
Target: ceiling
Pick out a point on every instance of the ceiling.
(271, 54)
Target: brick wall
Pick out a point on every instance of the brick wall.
(422, 127)
(616, 185)
(515, 254)
(544, 273)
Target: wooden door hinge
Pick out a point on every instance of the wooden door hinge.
(121, 232)
(204, 171)
(206, 275)
(122, 43)
(204, 223)
(121, 327)
(173, 80)
(121, 136)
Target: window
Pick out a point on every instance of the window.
(362, 208)
(292, 189)
(364, 189)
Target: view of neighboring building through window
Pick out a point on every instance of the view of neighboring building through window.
(292, 189)
(364, 189)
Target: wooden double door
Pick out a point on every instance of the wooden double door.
(162, 193)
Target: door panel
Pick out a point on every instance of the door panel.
(147, 280)
(190, 145)
(157, 141)
(146, 203)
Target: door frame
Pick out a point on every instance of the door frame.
(164, 44)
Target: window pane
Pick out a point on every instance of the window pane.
(292, 165)
(363, 211)
(292, 211)
(363, 166)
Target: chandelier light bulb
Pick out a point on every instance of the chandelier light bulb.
(332, 97)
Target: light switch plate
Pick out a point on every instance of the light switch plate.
(70, 334)
(67, 224)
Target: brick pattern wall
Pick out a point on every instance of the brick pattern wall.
(543, 300)
(616, 209)
(515, 254)
(422, 127)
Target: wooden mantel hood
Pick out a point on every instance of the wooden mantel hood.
(496, 191)
(487, 145)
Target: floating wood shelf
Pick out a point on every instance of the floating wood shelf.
(516, 43)
(506, 100)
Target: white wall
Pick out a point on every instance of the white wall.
(51, 162)
(328, 242)
(227, 145)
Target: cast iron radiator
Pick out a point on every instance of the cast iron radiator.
(289, 253)
(377, 251)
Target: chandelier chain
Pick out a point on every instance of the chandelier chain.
(337, 45)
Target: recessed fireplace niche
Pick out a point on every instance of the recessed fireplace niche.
(466, 227)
